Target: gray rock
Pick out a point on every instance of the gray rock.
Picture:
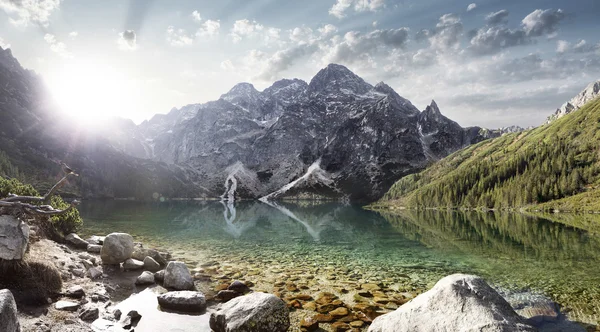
(188, 301)
(98, 240)
(140, 253)
(132, 264)
(66, 306)
(159, 276)
(87, 264)
(146, 278)
(94, 273)
(117, 248)
(94, 248)
(150, 264)
(238, 287)
(14, 239)
(258, 312)
(75, 292)
(227, 294)
(177, 276)
(76, 241)
(78, 272)
(89, 314)
(9, 321)
(456, 303)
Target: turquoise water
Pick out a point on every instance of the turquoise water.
(407, 248)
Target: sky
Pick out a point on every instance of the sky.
(492, 63)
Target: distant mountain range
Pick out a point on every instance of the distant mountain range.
(336, 137)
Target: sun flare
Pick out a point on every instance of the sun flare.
(91, 92)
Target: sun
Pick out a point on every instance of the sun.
(90, 92)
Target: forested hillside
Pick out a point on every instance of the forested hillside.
(549, 163)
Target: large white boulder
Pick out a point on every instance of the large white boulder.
(458, 302)
(14, 237)
(117, 248)
(177, 276)
(188, 301)
(9, 321)
(256, 312)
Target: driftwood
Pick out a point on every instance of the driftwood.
(23, 203)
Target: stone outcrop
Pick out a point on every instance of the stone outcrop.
(188, 301)
(14, 237)
(177, 276)
(117, 248)
(76, 241)
(9, 321)
(256, 312)
(456, 303)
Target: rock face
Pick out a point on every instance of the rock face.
(117, 248)
(187, 301)
(592, 91)
(258, 312)
(456, 303)
(177, 276)
(9, 321)
(14, 237)
(337, 136)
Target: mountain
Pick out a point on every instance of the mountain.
(35, 136)
(591, 92)
(334, 137)
(555, 166)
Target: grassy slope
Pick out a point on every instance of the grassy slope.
(452, 181)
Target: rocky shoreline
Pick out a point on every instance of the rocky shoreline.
(139, 280)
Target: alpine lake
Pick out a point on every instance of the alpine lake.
(288, 247)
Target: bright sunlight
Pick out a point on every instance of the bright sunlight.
(91, 92)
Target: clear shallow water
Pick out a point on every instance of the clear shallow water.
(411, 249)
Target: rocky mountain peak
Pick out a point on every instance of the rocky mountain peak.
(395, 99)
(592, 91)
(433, 109)
(241, 90)
(338, 79)
(8, 60)
(284, 86)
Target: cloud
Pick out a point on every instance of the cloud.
(562, 46)
(282, 60)
(196, 16)
(29, 11)
(209, 28)
(327, 30)
(73, 34)
(542, 22)
(471, 7)
(127, 40)
(498, 17)
(490, 40)
(583, 47)
(3, 44)
(56, 46)
(244, 28)
(356, 46)
(447, 32)
(178, 37)
(227, 65)
(341, 6)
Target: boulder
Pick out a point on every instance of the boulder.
(94, 248)
(259, 312)
(94, 239)
(14, 239)
(187, 301)
(89, 314)
(146, 278)
(238, 287)
(150, 264)
(177, 276)
(66, 306)
(159, 276)
(117, 248)
(456, 303)
(94, 273)
(9, 321)
(75, 292)
(132, 264)
(77, 242)
(140, 253)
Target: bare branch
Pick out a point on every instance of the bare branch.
(35, 209)
(55, 188)
(46, 198)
